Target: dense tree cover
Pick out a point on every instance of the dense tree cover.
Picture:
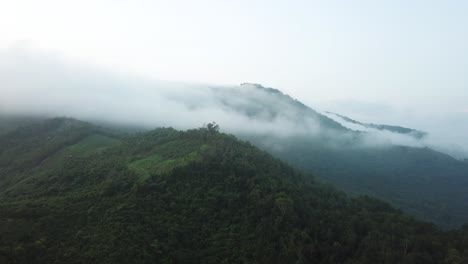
(198, 196)
(422, 182)
(352, 161)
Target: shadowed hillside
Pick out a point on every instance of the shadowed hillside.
(421, 181)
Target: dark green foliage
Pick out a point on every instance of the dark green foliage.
(422, 182)
(219, 201)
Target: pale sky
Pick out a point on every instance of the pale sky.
(394, 61)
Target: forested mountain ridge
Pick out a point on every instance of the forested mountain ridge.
(269, 105)
(46, 143)
(421, 181)
(417, 179)
(199, 196)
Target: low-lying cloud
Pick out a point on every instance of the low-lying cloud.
(38, 84)
(44, 85)
(447, 136)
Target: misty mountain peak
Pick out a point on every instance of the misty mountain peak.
(261, 87)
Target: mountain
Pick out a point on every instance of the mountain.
(271, 105)
(394, 129)
(11, 122)
(419, 180)
(71, 192)
(390, 162)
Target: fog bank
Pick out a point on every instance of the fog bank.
(32, 83)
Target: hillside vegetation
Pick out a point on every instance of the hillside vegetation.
(74, 193)
(423, 182)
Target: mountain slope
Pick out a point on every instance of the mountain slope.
(46, 143)
(272, 106)
(423, 182)
(373, 159)
(394, 129)
(198, 196)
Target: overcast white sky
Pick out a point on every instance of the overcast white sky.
(394, 61)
